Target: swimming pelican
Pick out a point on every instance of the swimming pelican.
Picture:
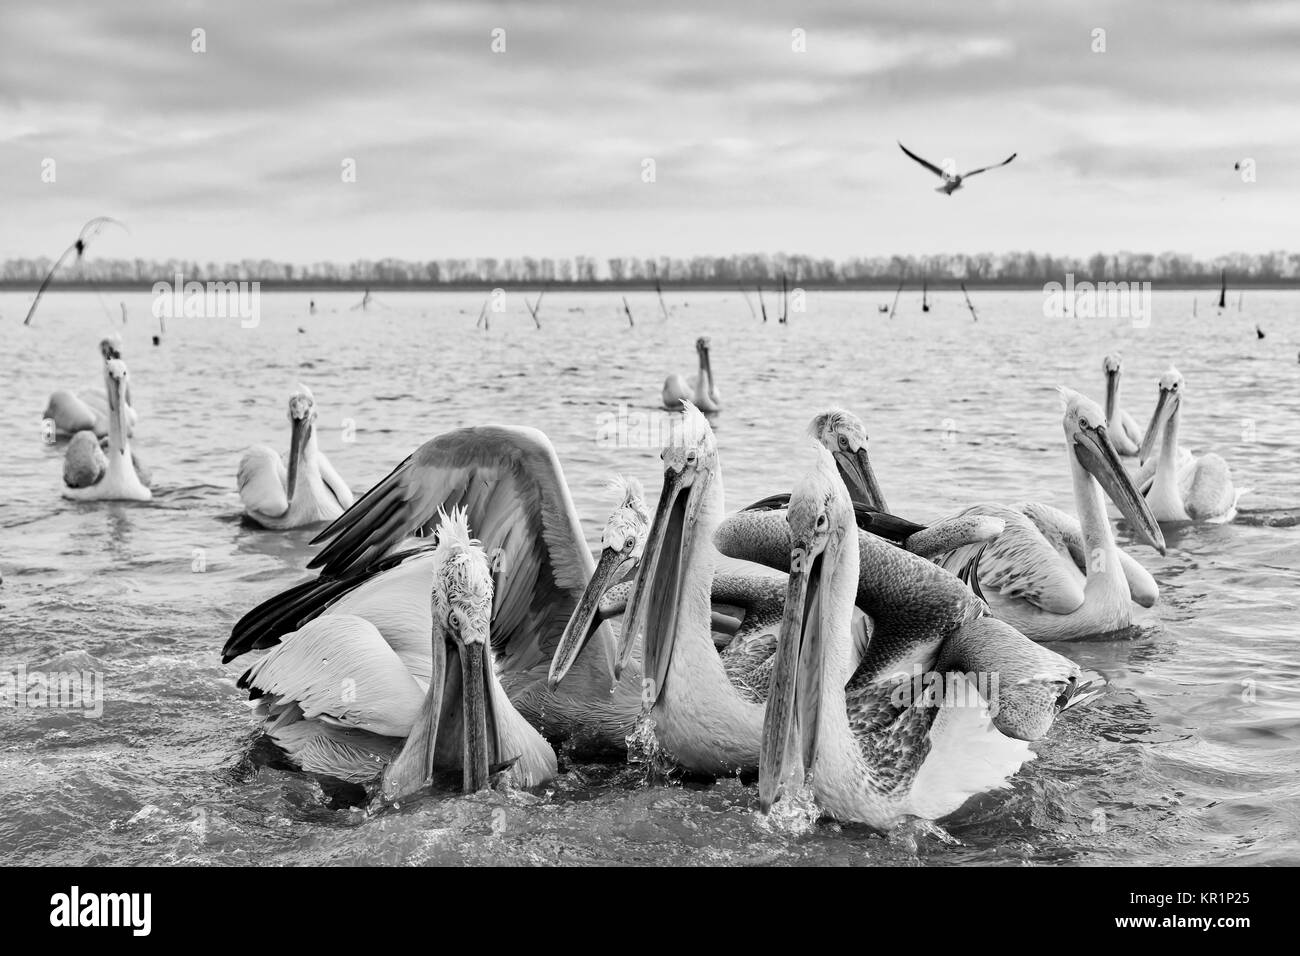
(1187, 488)
(71, 414)
(310, 492)
(95, 472)
(877, 740)
(1123, 430)
(708, 720)
(951, 180)
(705, 394)
(1054, 577)
(339, 697)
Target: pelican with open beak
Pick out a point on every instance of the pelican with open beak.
(1184, 487)
(309, 492)
(1055, 577)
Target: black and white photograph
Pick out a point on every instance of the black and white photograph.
(651, 434)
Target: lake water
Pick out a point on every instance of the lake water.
(1190, 757)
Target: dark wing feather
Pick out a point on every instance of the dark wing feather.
(928, 165)
(985, 169)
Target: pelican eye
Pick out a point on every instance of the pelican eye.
(691, 457)
(844, 442)
(821, 522)
(630, 543)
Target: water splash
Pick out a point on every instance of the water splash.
(795, 814)
(644, 751)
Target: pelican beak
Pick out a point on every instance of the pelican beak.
(1166, 405)
(456, 724)
(855, 469)
(300, 433)
(481, 742)
(1112, 390)
(656, 593)
(1095, 451)
(584, 622)
(794, 702)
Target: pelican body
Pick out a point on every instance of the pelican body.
(871, 747)
(309, 492)
(1184, 487)
(106, 471)
(705, 393)
(346, 700)
(1053, 577)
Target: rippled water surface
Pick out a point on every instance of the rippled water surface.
(1192, 755)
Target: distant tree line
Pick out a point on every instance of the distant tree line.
(1008, 268)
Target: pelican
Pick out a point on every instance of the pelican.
(509, 479)
(873, 740)
(1053, 577)
(952, 181)
(705, 395)
(106, 472)
(310, 492)
(339, 697)
(1121, 427)
(704, 716)
(71, 414)
(1184, 487)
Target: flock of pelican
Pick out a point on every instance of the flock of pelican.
(460, 628)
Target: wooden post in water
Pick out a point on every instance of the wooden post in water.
(970, 305)
(893, 307)
(628, 311)
(761, 304)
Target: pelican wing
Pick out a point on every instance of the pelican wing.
(928, 165)
(747, 660)
(510, 480)
(1209, 494)
(985, 169)
(393, 594)
(46, 281)
(262, 480)
(337, 670)
(1058, 526)
(1024, 562)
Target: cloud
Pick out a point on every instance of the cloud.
(460, 151)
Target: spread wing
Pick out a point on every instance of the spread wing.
(928, 165)
(985, 169)
(262, 479)
(509, 479)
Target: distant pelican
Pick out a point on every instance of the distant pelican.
(705, 394)
(1184, 487)
(908, 730)
(951, 181)
(71, 413)
(1121, 427)
(310, 492)
(95, 473)
(339, 695)
(1054, 577)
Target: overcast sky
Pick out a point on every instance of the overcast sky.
(236, 152)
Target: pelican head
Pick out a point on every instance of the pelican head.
(462, 601)
(110, 346)
(1171, 392)
(823, 539)
(623, 543)
(690, 467)
(1088, 440)
(302, 419)
(119, 381)
(1110, 365)
(845, 437)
